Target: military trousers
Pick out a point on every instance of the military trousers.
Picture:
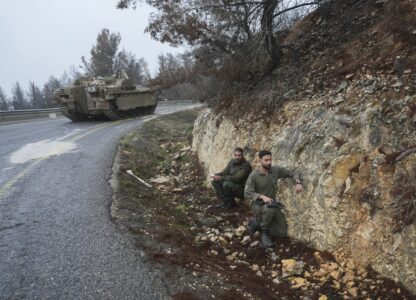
(227, 190)
(270, 219)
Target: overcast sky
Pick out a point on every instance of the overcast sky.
(40, 38)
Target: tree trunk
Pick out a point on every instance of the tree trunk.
(273, 50)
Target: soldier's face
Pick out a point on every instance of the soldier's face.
(238, 156)
(266, 161)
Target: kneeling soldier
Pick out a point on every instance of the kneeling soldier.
(260, 189)
(230, 182)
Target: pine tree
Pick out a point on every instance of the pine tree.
(103, 54)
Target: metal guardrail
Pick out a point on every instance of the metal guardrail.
(15, 115)
(29, 111)
(28, 114)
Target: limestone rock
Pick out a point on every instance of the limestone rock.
(240, 231)
(292, 267)
(298, 282)
(362, 221)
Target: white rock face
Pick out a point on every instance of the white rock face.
(358, 162)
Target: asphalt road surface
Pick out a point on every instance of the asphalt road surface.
(57, 240)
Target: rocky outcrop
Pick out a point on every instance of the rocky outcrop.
(356, 150)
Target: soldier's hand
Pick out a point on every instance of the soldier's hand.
(298, 188)
(266, 199)
(216, 177)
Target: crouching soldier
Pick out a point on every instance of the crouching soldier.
(230, 182)
(260, 189)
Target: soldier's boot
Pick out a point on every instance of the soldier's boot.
(266, 239)
(253, 226)
(221, 205)
(230, 203)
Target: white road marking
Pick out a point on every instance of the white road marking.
(72, 133)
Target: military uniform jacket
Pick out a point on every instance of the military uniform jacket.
(266, 184)
(236, 172)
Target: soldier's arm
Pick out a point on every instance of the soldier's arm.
(226, 171)
(250, 188)
(240, 176)
(286, 173)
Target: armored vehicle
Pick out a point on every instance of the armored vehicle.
(109, 97)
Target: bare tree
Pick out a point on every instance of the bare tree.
(48, 89)
(19, 99)
(225, 25)
(35, 96)
(3, 100)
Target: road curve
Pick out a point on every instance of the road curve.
(57, 240)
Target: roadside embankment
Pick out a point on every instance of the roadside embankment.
(207, 252)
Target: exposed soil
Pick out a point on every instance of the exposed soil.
(352, 38)
(201, 247)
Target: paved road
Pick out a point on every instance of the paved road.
(56, 237)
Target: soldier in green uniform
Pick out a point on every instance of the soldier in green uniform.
(230, 182)
(260, 189)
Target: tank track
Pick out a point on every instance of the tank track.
(115, 115)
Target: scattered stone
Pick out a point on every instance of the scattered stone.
(353, 292)
(276, 281)
(325, 269)
(274, 256)
(339, 99)
(349, 76)
(233, 267)
(159, 180)
(223, 241)
(370, 89)
(229, 235)
(245, 240)
(318, 257)
(398, 84)
(343, 85)
(230, 257)
(348, 277)
(254, 244)
(298, 282)
(214, 252)
(323, 297)
(274, 274)
(335, 274)
(259, 273)
(240, 231)
(255, 268)
(208, 221)
(292, 267)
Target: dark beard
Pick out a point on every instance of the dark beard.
(267, 167)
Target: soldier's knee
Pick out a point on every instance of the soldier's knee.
(216, 183)
(272, 210)
(227, 185)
